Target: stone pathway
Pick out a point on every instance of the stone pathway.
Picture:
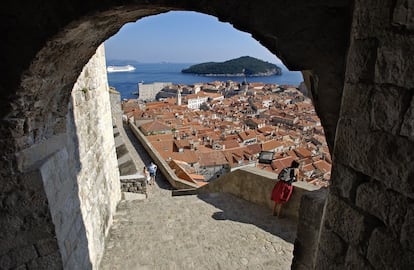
(212, 231)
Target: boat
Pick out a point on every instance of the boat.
(126, 68)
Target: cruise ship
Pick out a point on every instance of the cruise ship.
(120, 68)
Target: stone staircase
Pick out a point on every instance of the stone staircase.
(209, 231)
(126, 164)
(206, 231)
(132, 181)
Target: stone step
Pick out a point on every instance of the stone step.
(116, 132)
(119, 141)
(126, 165)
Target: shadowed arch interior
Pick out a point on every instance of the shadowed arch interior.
(353, 54)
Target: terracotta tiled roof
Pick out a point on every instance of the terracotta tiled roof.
(254, 148)
(233, 156)
(302, 152)
(160, 137)
(279, 164)
(187, 156)
(271, 145)
(308, 168)
(246, 135)
(154, 126)
(323, 166)
(230, 144)
(163, 147)
(261, 138)
(183, 174)
(211, 158)
(267, 130)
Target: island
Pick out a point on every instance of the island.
(243, 66)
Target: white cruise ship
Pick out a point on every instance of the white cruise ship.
(120, 68)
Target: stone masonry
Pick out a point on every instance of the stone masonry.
(98, 176)
(357, 58)
(369, 218)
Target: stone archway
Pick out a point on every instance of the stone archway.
(373, 158)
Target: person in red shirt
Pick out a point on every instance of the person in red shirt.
(283, 188)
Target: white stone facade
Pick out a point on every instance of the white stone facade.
(82, 178)
(195, 103)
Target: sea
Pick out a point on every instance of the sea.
(127, 82)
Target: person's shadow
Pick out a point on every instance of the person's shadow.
(239, 210)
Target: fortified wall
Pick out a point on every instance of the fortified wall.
(78, 171)
(357, 60)
(369, 216)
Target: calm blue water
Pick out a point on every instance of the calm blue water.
(127, 82)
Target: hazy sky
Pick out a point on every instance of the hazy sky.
(183, 37)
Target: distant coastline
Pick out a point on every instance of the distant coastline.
(127, 82)
(244, 66)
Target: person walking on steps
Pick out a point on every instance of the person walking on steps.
(283, 188)
(152, 171)
(146, 175)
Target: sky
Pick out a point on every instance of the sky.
(183, 37)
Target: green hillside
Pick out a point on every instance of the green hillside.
(245, 65)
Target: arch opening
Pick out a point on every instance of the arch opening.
(39, 114)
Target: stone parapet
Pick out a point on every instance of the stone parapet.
(255, 185)
(169, 174)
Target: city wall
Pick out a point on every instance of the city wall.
(78, 171)
(367, 113)
(162, 164)
(369, 216)
(98, 175)
(255, 185)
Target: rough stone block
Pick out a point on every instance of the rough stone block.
(18, 257)
(6, 262)
(345, 180)
(388, 108)
(384, 251)
(407, 128)
(311, 207)
(361, 61)
(407, 230)
(356, 101)
(408, 260)
(306, 244)
(324, 263)
(394, 61)
(21, 267)
(370, 17)
(332, 245)
(387, 205)
(351, 225)
(46, 246)
(52, 262)
(354, 260)
(356, 146)
(404, 14)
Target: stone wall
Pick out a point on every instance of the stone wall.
(163, 167)
(27, 234)
(308, 230)
(369, 220)
(116, 108)
(137, 185)
(94, 146)
(47, 48)
(255, 185)
(73, 180)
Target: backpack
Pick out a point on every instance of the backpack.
(287, 175)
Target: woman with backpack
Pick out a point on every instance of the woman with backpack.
(283, 189)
